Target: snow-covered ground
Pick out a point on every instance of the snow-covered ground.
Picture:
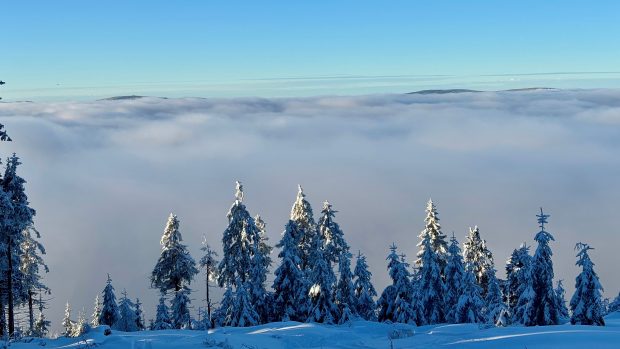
(356, 335)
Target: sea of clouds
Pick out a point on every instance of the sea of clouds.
(104, 175)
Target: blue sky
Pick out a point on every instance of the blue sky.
(81, 49)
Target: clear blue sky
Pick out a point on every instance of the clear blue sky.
(68, 49)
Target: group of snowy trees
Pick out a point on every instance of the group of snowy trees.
(21, 263)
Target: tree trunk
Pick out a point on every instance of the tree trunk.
(208, 301)
(30, 310)
(10, 291)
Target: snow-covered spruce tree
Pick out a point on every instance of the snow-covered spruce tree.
(432, 232)
(301, 214)
(364, 290)
(560, 294)
(6, 212)
(469, 308)
(516, 270)
(81, 326)
(453, 272)
(493, 301)
(140, 326)
(237, 242)
(244, 313)
(67, 324)
(209, 263)
(524, 312)
(94, 321)
(615, 304)
(19, 216)
(30, 266)
(224, 315)
(586, 302)
(162, 318)
(263, 244)
(127, 320)
(345, 290)
(109, 312)
(174, 270)
(406, 309)
(41, 325)
(431, 285)
(385, 303)
(255, 286)
(546, 310)
(333, 237)
(476, 253)
(289, 284)
(180, 309)
(322, 279)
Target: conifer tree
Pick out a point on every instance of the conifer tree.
(30, 266)
(109, 313)
(162, 318)
(431, 288)
(385, 303)
(263, 244)
(469, 308)
(560, 294)
(41, 325)
(180, 309)
(453, 272)
(81, 326)
(67, 324)
(432, 232)
(140, 326)
(615, 304)
(516, 274)
(345, 290)
(127, 312)
(524, 311)
(209, 263)
(94, 321)
(332, 235)
(289, 284)
(586, 302)
(244, 313)
(237, 242)
(322, 279)
(302, 215)
(224, 316)
(364, 290)
(476, 253)
(546, 310)
(493, 302)
(255, 287)
(405, 310)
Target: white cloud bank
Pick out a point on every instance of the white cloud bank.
(104, 175)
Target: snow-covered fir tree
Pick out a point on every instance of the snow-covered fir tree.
(41, 325)
(615, 304)
(67, 324)
(302, 215)
(453, 272)
(180, 309)
(364, 290)
(333, 237)
(127, 312)
(237, 242)
(209, 263)
(109, 312)
(560, 294)
(516, 273)
(470, 306)
(140, 326)
(175, 267)
(546, 310)
(162, 318)
(80, 327)
(493, 301)
(406, 310)
(31, 264)
(224, 315)
(289, 285)
(345, 290)
(476, 253)
(260, 299)
(385, 303)
(244, 313)
(322, 280)
(432, 232)
(94, 321)
(586, 303)
(431, 285)
(524, 311)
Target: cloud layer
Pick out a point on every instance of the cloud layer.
(104, 175)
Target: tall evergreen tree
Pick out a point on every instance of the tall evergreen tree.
(524, 311)
(67, 324)
(322, 279)
(224, 315)
(405, 309)
(516, 274)
(30, 266)
(162, 318)
(302, 215)
(140, 326)
(453, 272)
(364, 290)
(289, 284)
(81, 326)
(432, 232)
(546, 310)
(345, 290)
(127, 320)
(180, 309)
(431, 288)
(586, 303)
(244, 313)
(476, 253)
(469, 309)
(259, 297)
(41, 325)
(493, 302)
(560, 294)
(332, 235)
(109, 313)
(94, 321)
(237, 242)
(385, 303)
(209, 263)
